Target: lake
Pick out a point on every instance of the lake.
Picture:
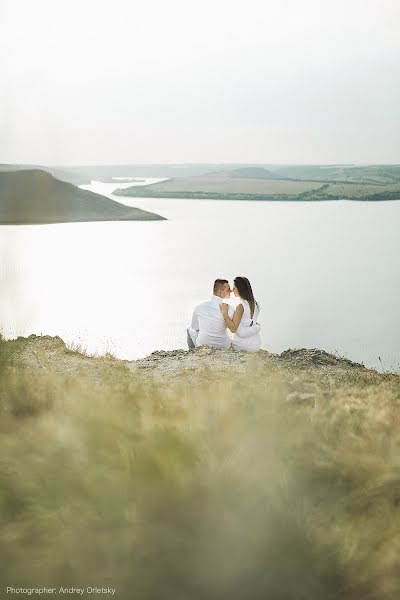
(325, 274)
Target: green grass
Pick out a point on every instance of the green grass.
(216, 489)
(310, 183)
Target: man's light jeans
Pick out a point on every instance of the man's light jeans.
(244, 332)
(191, 337)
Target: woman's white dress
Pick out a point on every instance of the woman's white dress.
(250, 343)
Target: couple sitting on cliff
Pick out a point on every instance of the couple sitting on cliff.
(213, 319)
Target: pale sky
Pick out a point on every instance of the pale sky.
(171, 81)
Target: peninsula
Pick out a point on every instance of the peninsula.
(292, 183)
(35, 196)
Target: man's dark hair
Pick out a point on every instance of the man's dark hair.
(219, 285)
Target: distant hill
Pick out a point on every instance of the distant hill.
(107, 172)
(377, 174)
(35, 196)
(337, 172)
(343, 173)
(84, 174)
(71, 176)
(297, 183)
(253, 173)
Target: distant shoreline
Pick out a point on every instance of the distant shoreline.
(142, 192)
(22, 223)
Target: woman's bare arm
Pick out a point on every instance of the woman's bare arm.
(233, 323)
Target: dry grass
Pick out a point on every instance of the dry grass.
(224, 185)
(217, 489)
(359, 190)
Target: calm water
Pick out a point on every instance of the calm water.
(326, 275)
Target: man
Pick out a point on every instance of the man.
(208, 325)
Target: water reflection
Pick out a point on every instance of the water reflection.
(326, 274)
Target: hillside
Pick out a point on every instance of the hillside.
(292, 183)
(203, 474)
(35, 196)
(74, 176)
(51, 354)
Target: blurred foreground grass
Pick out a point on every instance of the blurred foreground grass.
(214, 488)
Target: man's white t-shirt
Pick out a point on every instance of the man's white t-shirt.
(208, 319)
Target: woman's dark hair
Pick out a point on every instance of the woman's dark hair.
(244, 288)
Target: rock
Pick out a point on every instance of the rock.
(309, 357)
(324, 370)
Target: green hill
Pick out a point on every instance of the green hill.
(35, 196)
(306, 183)
(73, 176)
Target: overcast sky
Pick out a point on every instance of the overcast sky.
(291, 81)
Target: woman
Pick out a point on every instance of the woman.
(243, 324)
